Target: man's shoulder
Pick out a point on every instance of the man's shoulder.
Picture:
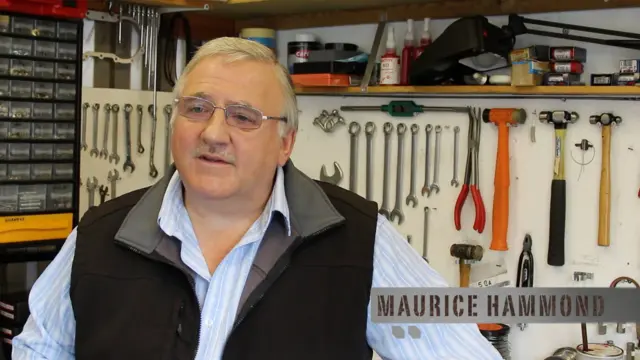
(344, 199)
(117, 207)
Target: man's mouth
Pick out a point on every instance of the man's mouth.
(213, 159)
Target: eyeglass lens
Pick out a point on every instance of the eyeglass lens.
(236, 115)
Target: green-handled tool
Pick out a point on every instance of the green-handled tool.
(402, 108)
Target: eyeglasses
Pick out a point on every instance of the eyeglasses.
(240, 116)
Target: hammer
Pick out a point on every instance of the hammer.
(557, 213)
(466, 255)
(604, 224)
(503, 119)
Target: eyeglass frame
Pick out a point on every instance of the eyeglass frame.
(263, 117)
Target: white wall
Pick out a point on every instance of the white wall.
(531, 173)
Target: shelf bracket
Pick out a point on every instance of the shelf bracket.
(373, 55)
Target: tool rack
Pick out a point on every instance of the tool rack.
(40, 111)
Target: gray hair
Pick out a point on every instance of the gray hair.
(237, 49)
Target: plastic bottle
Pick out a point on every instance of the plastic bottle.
(390, 62)
(408, 53)
(425, 39)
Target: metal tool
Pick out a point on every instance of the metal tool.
(387, 128)
(92, 184)
(412, 198)
(425, 242)
(456, 136)
(369, 130)
(113, 176)
(128, 163)
(525, 268)
(140, 111)
(606, 121)
(167, 138)
(96, 112)
(328, 122)
(397, 209)
(333, 179)
(436, 164)
(402, 108)
(425, 187)
(153, 172)
(557, 213)
(104, 153)
(472, 176)
(83, 142)
(354, 131)
(104, 190)
(466, 255)
(115, 109)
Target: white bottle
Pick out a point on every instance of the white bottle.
(390, 62)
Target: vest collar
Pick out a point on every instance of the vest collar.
(310, 210)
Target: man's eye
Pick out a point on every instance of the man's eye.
(196, 109)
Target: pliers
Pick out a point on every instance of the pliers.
(471, 175)
(525, 264)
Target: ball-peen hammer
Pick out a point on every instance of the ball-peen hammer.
(466, 254)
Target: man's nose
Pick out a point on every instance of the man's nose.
(217, 128)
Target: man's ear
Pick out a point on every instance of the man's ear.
(286, 147)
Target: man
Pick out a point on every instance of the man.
(235, 254)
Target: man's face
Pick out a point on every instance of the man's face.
(216, 160)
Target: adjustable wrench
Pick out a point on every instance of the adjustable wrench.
(167, 138)
(369, 130)
(140, 110)
(114, 142)
(354, 131)
(128, 164)
(411, 198)
(113, 177)
(456, 134)
(91, 188)
(104, 153)
(153, 172)
(425, 187)
(436, 163)
(83, 143)
(397, 210)
(94, 149)
(387, 128)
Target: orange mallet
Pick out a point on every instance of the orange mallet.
(503, 119)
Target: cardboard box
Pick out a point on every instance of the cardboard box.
(528, 73)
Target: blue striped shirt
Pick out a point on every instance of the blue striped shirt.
(50, 330)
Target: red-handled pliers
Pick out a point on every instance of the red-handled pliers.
(471, 175)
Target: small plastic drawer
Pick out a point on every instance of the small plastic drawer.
(32, 198)
(21, 67)
(5, 85)
(45, 28)
(42, 131)
(3, 172)
(44, 49)
(67, 31)
(8, 198)
(42, 151)
(42, 90)
(23, 26)
(4, 151)
(19, 130)
(4, 129)
(65, 71)
(60, 197)
(19, 172)
(22, 47)
(65, 112)
(4, 108)
(21, 110)
(5, 45)
(65, 131)
(44, 70)
(42, 111)
(65, 91)
(21, 89)
(67, 51)
(63, 151)
(4, 23)
(62, 171)
(19, 151)
(4, 66)
(41, 172)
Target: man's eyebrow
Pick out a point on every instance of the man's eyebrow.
(201, 94)
(240, 102)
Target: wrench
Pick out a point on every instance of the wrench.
(128, 164)
(103, 190)
(426, 233)
(397, 210)
(139, 109)
(333, 179)
(387, 128)
(94, 149)
(167, 138)
(114, 142)
(411, 198)
(153, 172)
(454, 181)
(436, 163)
(425, 187)
(91, 188)
(354, 131)
(104, 153)
(113, 177)
(83, 144)
(369, 130)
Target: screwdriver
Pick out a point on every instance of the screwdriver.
(403, 108)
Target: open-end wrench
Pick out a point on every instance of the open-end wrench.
(369, 130)
(104, 153)
(128, 163)
(113, 177)
(83, 143)
(115, 109)
(397, 210)
(436, 163)
(354, 131)
(96, 112)
(425, 187)
(91, 188)
(412, 198)
(425, 243)
(167, 138)
(456, 134)
(387, 128)
(153, 172)
(140, 110)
